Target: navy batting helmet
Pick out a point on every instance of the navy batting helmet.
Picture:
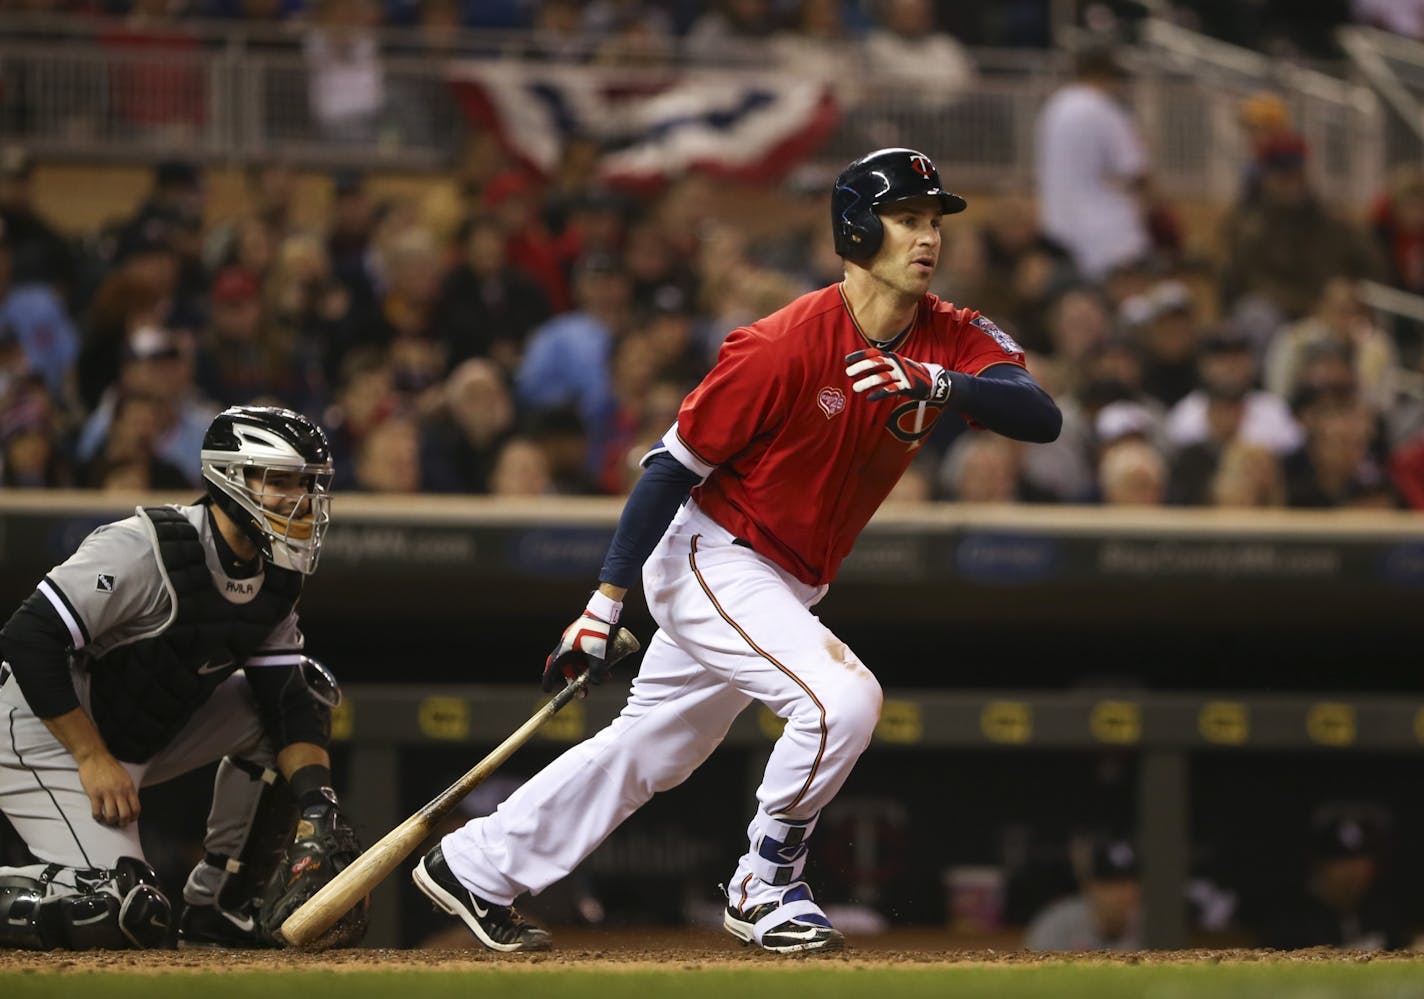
(883, 176)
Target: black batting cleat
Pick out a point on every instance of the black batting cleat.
(794, 925)
(209, 926)
(498, 927)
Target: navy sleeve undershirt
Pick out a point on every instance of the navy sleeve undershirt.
(651, 506)
(1006, 400)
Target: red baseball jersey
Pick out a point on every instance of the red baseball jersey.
(797, 462)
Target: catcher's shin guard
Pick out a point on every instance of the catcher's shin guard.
(48, 906)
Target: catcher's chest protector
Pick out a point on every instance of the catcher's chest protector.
(142, 693)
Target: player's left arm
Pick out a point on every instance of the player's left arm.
(292, 714)
(1005, 398)
(1002, 397)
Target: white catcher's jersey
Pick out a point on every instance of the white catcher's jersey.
(110, 592)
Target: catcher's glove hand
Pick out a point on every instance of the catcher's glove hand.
(323, 846)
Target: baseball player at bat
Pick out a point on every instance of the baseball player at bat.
(739, 522)
(168, 641)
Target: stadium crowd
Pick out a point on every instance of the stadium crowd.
(535, 334)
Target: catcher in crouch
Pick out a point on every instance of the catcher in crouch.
(169, 640)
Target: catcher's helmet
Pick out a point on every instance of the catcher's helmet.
(242, 447)
(883, 176)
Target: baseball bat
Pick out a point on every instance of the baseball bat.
(339, 895)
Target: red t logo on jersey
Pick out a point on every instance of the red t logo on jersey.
(922, 165)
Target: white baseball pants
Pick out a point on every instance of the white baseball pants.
(733, 628)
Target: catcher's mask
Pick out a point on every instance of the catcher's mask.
(270, 470)
(877, 179)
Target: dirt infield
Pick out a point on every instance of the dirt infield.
(641, 949)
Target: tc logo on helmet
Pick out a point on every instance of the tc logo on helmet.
(921, 165)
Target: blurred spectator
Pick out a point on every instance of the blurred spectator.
(558, 36)
(250, 239)
(365, 396)
(34, 314)
(1334, 467)
(1131, 472)
(1406, 469)
(30, 454)
(241, 358)
(157, 86)
(465, 434)
(658, 275)
(127, 458)
(1397, 218)
(982, 468)
(1343, 902)
(1022, 266)
(39, 253)
(1077, 324)
(521, 469)
(604, 18)
(729, 29)
(1104, 915)
(411, 273)
(157, 365)
(906, 47)
(634, 369)
(420, 109)
(388, 457)
(574, 192)
(346, 81)
(1247, 475)
(1163, 321)
(1284, 246)
(567, 360)
(1263, 117)
(654, 414)
(560, 434)
(1091, 169)
(163, 240)
(309, 307)
(1227, 370)
(816, 44)
(1340, 318)
(350, 227)
(486, 307)
(515, 200)
(136, 294)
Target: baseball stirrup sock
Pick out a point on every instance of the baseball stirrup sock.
(779, 848)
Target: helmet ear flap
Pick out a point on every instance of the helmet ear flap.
(863, 236)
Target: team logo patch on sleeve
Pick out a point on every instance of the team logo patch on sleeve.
(831, 400)
(105, 583)
(1000, 337)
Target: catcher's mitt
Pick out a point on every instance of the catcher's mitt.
(324, 845)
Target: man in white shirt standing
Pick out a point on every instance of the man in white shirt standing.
(1091, 169)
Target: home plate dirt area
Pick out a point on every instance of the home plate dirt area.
(632, 948)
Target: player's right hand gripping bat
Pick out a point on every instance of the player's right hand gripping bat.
(319, 913)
